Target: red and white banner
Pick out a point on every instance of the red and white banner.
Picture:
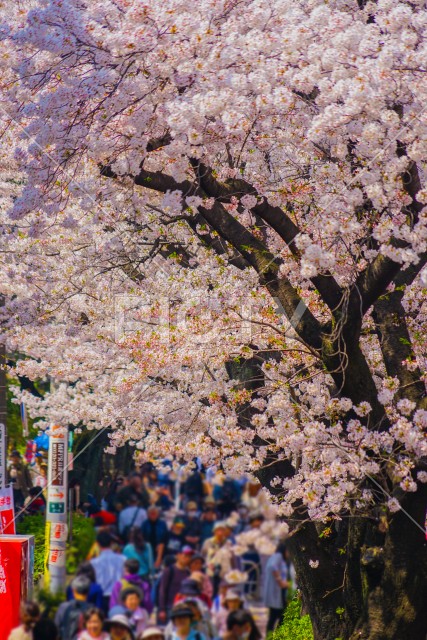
(16, 577)
(7, 512)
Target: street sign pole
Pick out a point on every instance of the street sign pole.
(56, 512)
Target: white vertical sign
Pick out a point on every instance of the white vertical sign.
(3, 454)
(56, 512)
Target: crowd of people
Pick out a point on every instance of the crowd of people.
(164, 564)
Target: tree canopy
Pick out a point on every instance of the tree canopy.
(219, 248)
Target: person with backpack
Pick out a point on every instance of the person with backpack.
(95, 593)
(132, 579)
(132, 516)
(69, 617)
(140, 550)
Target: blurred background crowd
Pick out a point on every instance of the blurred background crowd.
(187, 555)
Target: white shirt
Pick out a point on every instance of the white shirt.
(108, 569)
(131, 516)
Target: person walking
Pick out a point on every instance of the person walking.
(132, 579)
(182, 618)
(30, 613)
(93, 621)
(108, 567)
(276, 583)
(95, 592)
(170, 582)
(19, 478)
(69, 617)
(131, 607)
(120, 627)
(140, 550)
(241, 626)
(155, 532)
(132, 516)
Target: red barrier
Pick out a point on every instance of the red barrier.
(16, 579)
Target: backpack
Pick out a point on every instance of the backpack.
(128, 528)
(72, 622)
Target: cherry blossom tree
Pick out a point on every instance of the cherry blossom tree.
(246, 178)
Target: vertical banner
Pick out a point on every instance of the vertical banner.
(3, 455)
(7, 512)
(56, 513)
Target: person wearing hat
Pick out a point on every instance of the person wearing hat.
(202, 621)
(175, 537)
(152, 633)
(170, 582)
(208, 518)
(182, 620)
(131, 607)
(193, 526)
(219, 554)
(120, 627)
(232, 601)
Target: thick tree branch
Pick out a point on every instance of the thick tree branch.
(253, 250)
(374, 280)
(395, 339)
(275, 217)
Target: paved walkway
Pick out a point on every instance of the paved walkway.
(260, 614)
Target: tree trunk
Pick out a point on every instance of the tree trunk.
(371, 582)
(395, 608)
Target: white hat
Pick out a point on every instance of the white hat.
(151, 632)
(119, 618)
(233, 595)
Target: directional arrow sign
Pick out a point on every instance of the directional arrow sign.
(59, 495)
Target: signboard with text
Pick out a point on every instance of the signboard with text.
(56, 510)
(7, 512)
(16, 579)
(58, 453)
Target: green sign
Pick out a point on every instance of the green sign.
(56, 507)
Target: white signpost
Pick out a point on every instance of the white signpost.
(56, 512)
(3, 455)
